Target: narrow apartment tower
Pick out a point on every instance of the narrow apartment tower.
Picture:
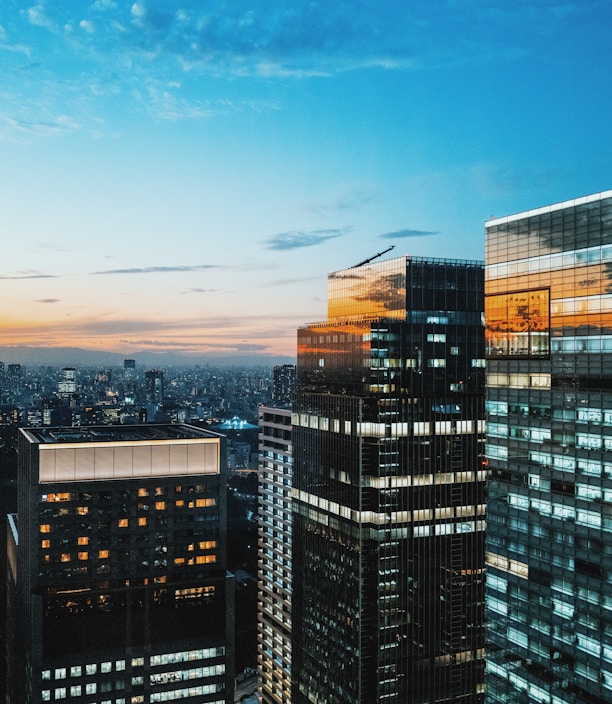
(118, 587)
(283, 385)
(274, 555)
(154, 386)
(549, 445)
(388, 498)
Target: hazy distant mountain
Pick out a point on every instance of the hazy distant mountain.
(76, 357)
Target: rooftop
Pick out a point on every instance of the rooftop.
(117, 433)
(549, 208)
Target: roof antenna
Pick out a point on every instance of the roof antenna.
(367, 261)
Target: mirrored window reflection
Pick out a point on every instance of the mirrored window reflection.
(518, 324)
(375, 290)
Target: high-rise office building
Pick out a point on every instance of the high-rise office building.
(67, 386)
(549, 445)
(117, 571)
(13, 377)
(129, 381)
(388, 497)
(154, 386)
(274, 555)
(283, 385)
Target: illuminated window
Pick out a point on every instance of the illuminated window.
(205, 559)
(103, 554)
(160, 505)
(82, 510)
(123, 523)
(45, 544)
(60, 693)
(142, 521)
(83, 540)
(208, 544)
(159, 491)
(75, 690)
(106, 667)
(47, 558)
(56, 497)
(143, 492)
(75, 671)
(191, 546)
(180, 504)
(83, 555)
(66, 557)
(45, 528)
(60, 673)
(91, 669)
(183, 595)
(137, 662)
(179, 560)
(204, 503)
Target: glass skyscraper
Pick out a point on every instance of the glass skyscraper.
(549, 446)
(388, 497)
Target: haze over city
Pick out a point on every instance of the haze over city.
(181, 177)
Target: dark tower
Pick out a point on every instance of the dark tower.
(389, 513)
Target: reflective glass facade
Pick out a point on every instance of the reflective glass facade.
(549, 447)
(388, 497)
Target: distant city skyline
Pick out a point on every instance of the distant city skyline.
(182, 178)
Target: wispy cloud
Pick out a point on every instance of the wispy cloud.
(288, 282)
(297, 239)
(269, 40)
(54, 126)
(38, 17)
(164, 101)
(160, 269)
(27, 274)
(242, 38)
(402, 234)
(47, 300)
(50, 246)
(201, 290)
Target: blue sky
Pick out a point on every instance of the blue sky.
(183, 175)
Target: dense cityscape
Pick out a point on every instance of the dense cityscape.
(305, 352)
(226, 400)
(417, 512)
